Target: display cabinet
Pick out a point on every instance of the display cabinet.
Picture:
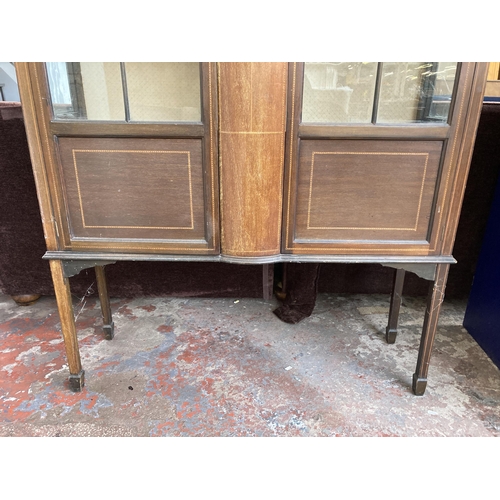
(251, 163)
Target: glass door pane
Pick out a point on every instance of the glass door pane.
(86, 91)
(413, 92)
(391, 92)
(164, 91)
(141, 92)
(339, 92)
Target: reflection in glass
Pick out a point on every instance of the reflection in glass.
(339, 92)
(415, 92)
(164, 92)
(86, 91)
(148, 92)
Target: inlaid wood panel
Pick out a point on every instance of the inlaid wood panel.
(252, 138)
(134, 189)
(365, 191)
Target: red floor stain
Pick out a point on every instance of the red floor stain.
(105, 367)
(21, 369)
(126, 311)
(164, 329)
(148, 308)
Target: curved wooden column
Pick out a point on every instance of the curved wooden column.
(252, 98)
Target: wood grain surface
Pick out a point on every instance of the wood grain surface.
(252, 134)
(366, 190)
(133, 188)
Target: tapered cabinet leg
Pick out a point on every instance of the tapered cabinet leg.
(434, 301)
(108, 325)
(397, 292)
(65, 308)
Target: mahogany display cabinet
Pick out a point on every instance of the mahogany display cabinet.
(253, 163)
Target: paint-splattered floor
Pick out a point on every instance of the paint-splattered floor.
(228, 367)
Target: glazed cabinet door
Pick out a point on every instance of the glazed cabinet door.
(374, 152)
(128, 152)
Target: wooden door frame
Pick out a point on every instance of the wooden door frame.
(46, 162)
(457, 136)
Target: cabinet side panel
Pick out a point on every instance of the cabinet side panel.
(465, 155)
(37, 155)
(252, 99)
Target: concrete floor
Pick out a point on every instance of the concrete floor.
(229, 367)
